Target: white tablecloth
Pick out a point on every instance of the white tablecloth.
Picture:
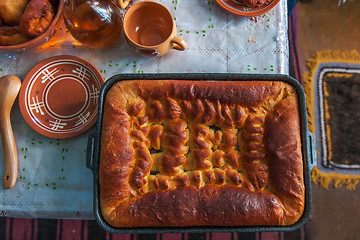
(53, 181)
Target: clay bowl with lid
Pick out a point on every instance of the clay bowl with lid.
(45, 36)
(238, 8)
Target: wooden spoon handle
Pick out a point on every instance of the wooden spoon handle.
(10, 153)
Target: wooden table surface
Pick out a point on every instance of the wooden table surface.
(324, 25)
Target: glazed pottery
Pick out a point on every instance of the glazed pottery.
(236, 7)
(93, 23)
(44, 37)
(59, 96)
(150, 29)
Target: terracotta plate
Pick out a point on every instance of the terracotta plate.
(235, 6)
(59, 96)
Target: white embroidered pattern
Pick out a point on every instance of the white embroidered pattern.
(37, 105)
(81, 73)
(57, 124)
(83, 118)
(48, 75)
(94, 94)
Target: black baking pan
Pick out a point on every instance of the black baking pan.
(308, 143)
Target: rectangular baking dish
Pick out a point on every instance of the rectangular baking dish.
(308, 150)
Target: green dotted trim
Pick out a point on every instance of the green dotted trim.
(270, 69)
(201, 32)
(22, 174)
(130, 64)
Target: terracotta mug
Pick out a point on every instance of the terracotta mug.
(122, 3)
(150, 29)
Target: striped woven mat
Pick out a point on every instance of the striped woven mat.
(44, 229)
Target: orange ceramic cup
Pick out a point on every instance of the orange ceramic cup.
(122, 3)
(150, 29)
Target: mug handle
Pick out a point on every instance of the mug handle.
(178, 43)
(123, 3)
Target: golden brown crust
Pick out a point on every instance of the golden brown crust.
(22, 20)
(12, 35)
(11, 11)
(37, 17)
(192, 153)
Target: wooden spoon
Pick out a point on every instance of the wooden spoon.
(9, 89)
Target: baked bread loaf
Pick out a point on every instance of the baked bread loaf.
(201, 153)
